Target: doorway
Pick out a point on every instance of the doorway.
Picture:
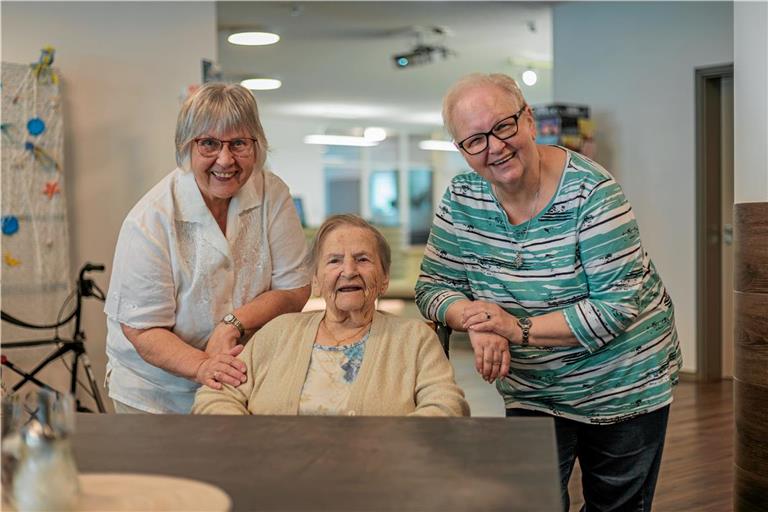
(714, 224)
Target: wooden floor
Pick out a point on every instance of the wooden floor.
(697, 466)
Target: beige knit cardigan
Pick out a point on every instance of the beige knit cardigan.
(404, 372)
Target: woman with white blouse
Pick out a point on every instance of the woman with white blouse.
(211, 253)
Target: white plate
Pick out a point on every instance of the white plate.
(134, 492)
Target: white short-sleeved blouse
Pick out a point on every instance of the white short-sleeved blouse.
(174, 268)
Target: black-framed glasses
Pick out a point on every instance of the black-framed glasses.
(503, 130)
(210, 146)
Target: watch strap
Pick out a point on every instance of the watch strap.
(525, 327)
(231, 319)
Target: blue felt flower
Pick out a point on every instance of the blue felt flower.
(10, 224)
(35, 126)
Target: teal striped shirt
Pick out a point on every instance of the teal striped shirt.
(583, 256)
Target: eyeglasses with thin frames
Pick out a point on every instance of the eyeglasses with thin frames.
(211, 146)
(503, 130)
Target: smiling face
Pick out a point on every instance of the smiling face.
(349, 273)
(220, 177)
(504, 162)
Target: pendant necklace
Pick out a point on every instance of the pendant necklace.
(517, 261)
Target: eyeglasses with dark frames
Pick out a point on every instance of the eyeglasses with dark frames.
(503, 130)
(210, 146)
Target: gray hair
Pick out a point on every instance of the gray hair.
(502, 81)
(347, 219)
(218, 108)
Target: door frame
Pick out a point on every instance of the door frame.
(709, 227)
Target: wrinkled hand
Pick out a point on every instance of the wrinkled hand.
(491, 354)
(223, 339)
(223, 367)
(488, 317)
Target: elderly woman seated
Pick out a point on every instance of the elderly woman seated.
(349, 359)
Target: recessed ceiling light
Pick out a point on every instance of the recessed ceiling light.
(529, 77)
(253, 38)
(261, 84)
(437, 145)
(339, 140)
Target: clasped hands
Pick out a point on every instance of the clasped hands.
(221, 364)
(490, 330)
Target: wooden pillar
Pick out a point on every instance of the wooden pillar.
(751, 356)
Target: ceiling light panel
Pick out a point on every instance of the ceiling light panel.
(253, 38)
(375, 133)
(437, 145)
(339, 140)
(261, 84)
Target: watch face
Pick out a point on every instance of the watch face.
(229, 317)
(524, 322)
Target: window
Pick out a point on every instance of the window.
(341, 167)
(368, 181)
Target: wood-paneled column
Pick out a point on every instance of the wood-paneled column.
(751, 356)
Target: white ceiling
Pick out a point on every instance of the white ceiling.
(335, 58)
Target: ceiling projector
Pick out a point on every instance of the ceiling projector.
(420, 55)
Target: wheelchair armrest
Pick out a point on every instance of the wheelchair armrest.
(444, 335)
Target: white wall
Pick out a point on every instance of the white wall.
(124, 68)
(299, 165)
(750, 67)
(633, 63)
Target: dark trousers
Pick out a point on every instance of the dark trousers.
(619, 462)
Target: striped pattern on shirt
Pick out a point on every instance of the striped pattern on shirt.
(582, 255)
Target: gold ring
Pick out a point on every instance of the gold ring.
(215, 375)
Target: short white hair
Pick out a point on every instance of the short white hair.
(454, 94)
(219, 107)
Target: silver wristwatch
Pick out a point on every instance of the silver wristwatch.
(525, 326)
(231, 319)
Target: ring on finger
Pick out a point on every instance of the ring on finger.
(487, 315)
(216, 375)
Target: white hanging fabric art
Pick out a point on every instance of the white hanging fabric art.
(35, 234)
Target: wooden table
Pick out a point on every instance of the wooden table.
(337, 463)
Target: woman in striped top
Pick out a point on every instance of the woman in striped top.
(538, 256)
